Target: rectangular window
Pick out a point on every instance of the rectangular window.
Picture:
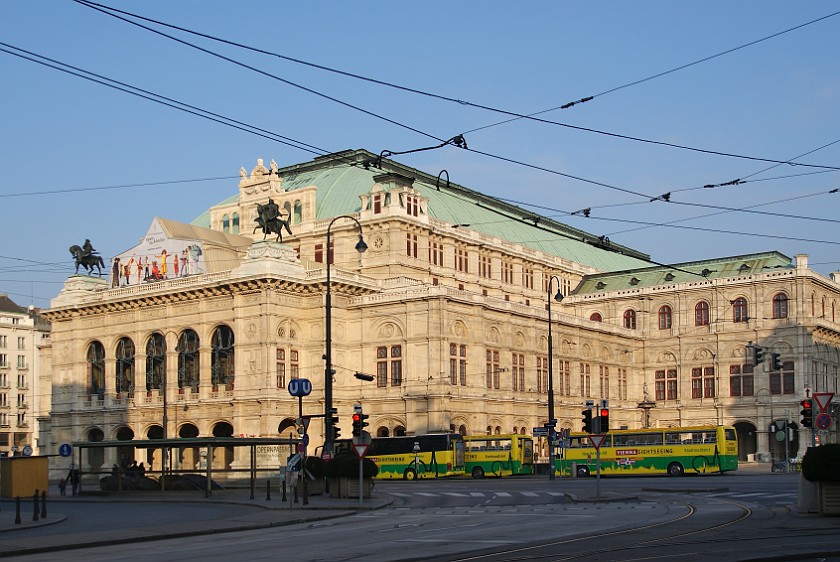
(4, 361)
(604, 378)
(462, 364)
(381, 366)
(458, 364)
(782, 382)
(741, 380)
(21, 381)
(507, 272)
(21, 343)
(585, 381)
(411, 245)
(377, 203)
(281, 368)
(462, 261)
(622, 384)
(412, 205)
(708, 382)
(528, 278)
(436, 253)
(542, 375)
(665, 384)
(21, 361)
(484, 269)
(492, 368)
(2, 341)
(518, 368)
(697, 382)
(294, 364)
(566, 377)
(396, 365)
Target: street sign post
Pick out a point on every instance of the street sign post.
(361, 450)
(540, 432)
(822, 400)
(597, 441)
(822, 421)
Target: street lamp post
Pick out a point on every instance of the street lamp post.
(328, 370)
(551, 421)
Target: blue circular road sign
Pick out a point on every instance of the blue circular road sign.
(300, 387)
(65, 450)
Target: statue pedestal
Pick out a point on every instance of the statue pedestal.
(267, 257)
(77, 288)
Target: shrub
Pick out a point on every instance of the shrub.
(822, 464)
(348, 466)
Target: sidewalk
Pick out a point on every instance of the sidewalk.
(60, 529)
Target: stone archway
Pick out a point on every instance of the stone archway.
(125, 454)
(96, 457)
(223, 457)
(188, 457)
(747, 440)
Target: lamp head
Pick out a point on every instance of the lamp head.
(559, 296)
(360, 245)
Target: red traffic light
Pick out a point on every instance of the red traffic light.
(605, 412)
(806, 404)
(357, 417)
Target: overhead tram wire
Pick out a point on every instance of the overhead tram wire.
(108, 11)
(261, 72)
(657, 75)
(107, 187)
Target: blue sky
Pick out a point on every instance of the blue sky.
(776, 99)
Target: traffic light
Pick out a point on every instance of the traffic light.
(605, 417)
(807, 413)
(332, 423)
(336, 432)
(299, 426)
(357, 420)
(587, 420)
(758, 355)
(775, 362)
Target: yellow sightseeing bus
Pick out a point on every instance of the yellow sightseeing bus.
(634, 452)
(435, 455)
(498, 455)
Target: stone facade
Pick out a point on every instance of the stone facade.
(448, 315)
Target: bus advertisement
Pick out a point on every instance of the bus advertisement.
(674, 451)
(435, 455)
(498, 455)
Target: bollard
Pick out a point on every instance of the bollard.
(283, 499)
(17, 510)
(44, 504)
(268, 490)
(35, 499)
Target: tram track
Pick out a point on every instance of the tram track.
(580, 547)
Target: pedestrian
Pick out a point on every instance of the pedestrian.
(62, 486)
(73, 477)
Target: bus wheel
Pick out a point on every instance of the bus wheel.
(582, 472)
(675, 469)
(410, 474)
(478, 472)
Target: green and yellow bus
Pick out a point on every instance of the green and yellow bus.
(634, 452)
(435, 455)
(498, 455)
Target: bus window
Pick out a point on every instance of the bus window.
(730, 434)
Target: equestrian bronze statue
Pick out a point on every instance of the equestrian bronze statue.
(87, 257)
(270, 221)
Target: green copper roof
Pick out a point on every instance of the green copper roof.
(341, 179)
(687, 272)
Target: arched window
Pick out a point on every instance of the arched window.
(596, 317)
(780, 305)
(155, 361)
(399, 431)
(96, 370)
(298, 216)
(188, 361)
(235, 228)
(225, 223)
(382, 431)
(630, 319)
(489, 430)
(462, 429)
(701, 314)
(665, 317)
(222, 364)
(124, 366)
(740, 313)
